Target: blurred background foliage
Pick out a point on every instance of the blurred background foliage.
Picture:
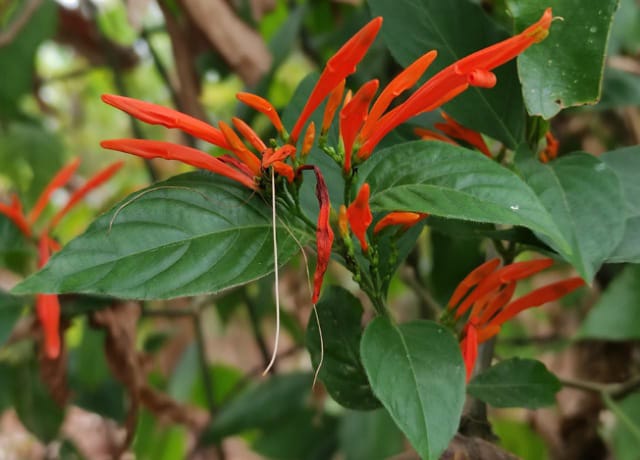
(184, 377)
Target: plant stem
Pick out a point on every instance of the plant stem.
(204, 366)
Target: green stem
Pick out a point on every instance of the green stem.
(204, 366)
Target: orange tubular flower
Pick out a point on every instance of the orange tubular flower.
(360, 217)
(309, 137)
(474, 70)
(14, 213)
(332, 105)
(339, 66)
(352, 117)
(551, 150)
(403, 218)
(158, 115)
(324, 233)
(158, 149)
(48, 305)
(245, 166)
(490, 300)
(59, 180)
(94, 182)
(455, 130)
(263, 106)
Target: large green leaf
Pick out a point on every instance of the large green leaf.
(450, 181)
(340, 317)
(625, 163)
(191, 234)
(616, 316)
(516, 383)
(580, 192)
(417, 372)
(260, 406)
(566, 68)
(456, 28)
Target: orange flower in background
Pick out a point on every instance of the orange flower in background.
(403, 218)
(48, 305)
(455, 130)
(487, 291)
(550, 152)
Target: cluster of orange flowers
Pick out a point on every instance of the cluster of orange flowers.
(364, 120)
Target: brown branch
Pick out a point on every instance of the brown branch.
(12, 31)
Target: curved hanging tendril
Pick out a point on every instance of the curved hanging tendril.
(275, 266)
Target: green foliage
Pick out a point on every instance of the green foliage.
(260, 407)
(616, 315)
(163, 242)
(454, 182)
(17, 57)
(340, 316)
(566, 68)
(10, 311)
(566, 189)
(516, 383)
(369, 435)
(416, 371)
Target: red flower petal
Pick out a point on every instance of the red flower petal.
(158, 115)
(187, 155)
(59, 180)
(94, 182)
(339, 66)
(360, 217)
(353, 115)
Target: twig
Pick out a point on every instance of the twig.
(430, 306)
(21, 21)
(613, 390)
(118, 81)
(164, 75)
(255, 329)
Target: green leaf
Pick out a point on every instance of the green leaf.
(619, 89)
(304, 434)
(93, 386)
(417, 372)
(580, 192)
(378, 437)
(192, 234)
(625, 163)
(626, 434)
(516, 383)
(565, 69)
(260, 406)
(156, 441)
(17, 57)
(340, 316)
(455, 29)
(520, 439)
(616, 315)
(454, 182)
(10, 311)
(37, 411)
